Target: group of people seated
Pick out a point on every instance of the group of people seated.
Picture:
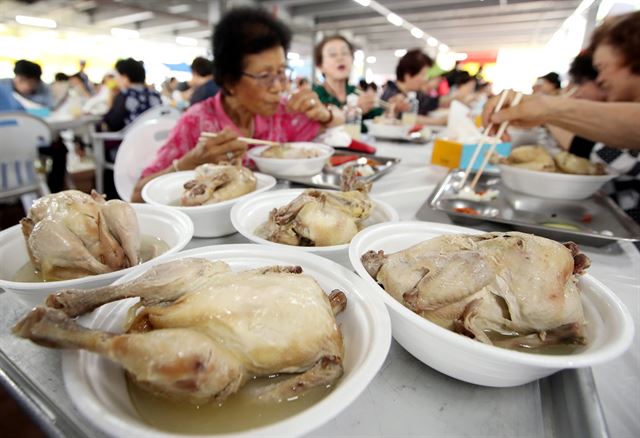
(246, 93)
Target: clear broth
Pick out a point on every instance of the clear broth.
(240, 412)
(150, 247)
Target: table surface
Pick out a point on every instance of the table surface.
(406, 398)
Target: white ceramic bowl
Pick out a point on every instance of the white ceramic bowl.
(210, 220)
(550, 184)
(610, 327)
(246, 216)
(98, 389)
(172, 226)
(292, 167)
(387, 131)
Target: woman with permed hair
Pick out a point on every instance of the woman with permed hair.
(249, 49)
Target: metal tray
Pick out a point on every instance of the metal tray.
(595, 221)
(330, 176)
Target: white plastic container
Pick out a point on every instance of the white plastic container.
(211, 220)
(552, 185)
(173, 227)
(290, 166)
(98, 389)
(609, 325)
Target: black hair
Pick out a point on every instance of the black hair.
(553, 78)
(61, 77)
(241, 32)
(27, 69)
(582, 70)
(132, 69)
(202, 66)
(411, 63)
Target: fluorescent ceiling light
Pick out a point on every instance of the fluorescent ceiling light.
(400, 53)
(119, 32)
(417, 33)
(443, 48)
(162, 28)
(371, 59)
(460, 56)
(36, 21)
(394, 19)
(293, 56)
(127, 19)
(432, 41)
(358, 55)
(363, 2)
(179, 9)
(186, 41)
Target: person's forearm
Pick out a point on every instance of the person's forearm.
(616, 124)
(561, 136)
(136, 196)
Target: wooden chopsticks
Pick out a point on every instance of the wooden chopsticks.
(503, 127)
(483, 139)
(245, 139)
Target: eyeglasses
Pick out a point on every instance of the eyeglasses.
(267, 80)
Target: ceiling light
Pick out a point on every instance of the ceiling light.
(186, 41)
(400, 53)
(35, 21)
(371, 59)
(363, 2)
(119, 32)
(126, 19)
(432, 41)
(443, 48)
(394, 19)
(417, 33)
(460, 56)
(358, 55)
(293, 56)
(179, 9)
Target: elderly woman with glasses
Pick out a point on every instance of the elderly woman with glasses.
(249, 48)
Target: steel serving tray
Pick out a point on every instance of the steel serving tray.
(595, 221)
(330, 176)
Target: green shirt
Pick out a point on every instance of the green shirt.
(330, 99)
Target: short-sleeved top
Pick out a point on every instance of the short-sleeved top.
(209, 116)
(129, 104)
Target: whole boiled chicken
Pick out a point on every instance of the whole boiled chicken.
(71, 234)
(321, 217)
(201, 331)
(507, 289)
(216, 183)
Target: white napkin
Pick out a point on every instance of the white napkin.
(336, 137)
(460, 127)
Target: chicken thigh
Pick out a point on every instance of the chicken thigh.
(216, 183)
(319, 217)
(200, 330)
(508, 289)
(71, 234)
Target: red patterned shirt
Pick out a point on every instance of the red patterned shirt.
(209, 116)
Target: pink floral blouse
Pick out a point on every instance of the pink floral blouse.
(209, 116)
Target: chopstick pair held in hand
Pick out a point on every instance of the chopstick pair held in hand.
(501, 130)
(483, 139)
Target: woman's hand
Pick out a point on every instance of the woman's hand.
(400, 103)
(308, 103)
(225, 146)
(367, 100)
(531, 111)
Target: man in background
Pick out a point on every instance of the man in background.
(27, 84)
(202, 83)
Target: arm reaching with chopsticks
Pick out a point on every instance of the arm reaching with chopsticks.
(613, 123)
(225, 146)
